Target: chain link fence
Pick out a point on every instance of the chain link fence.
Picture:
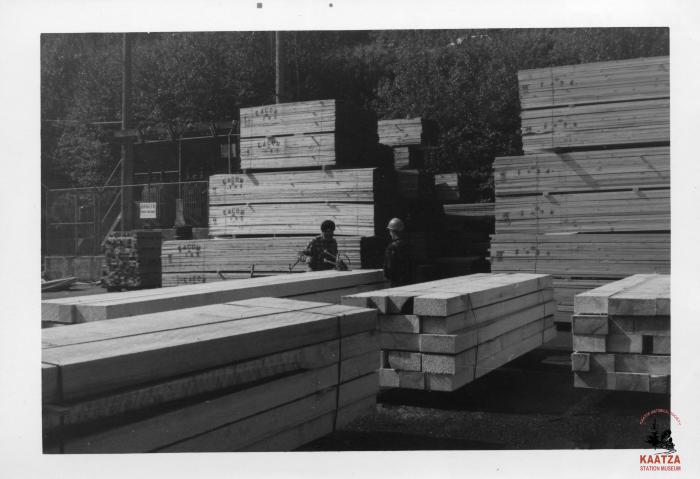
(77, 220)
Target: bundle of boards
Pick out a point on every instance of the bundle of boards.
(622, 335)
(307, 134)
(443, 334)
(204, 261)
(596, 207)
(596, 104)
(326, 286)
(408, 139)
(132, 261)
(359, 201)
(263, 374)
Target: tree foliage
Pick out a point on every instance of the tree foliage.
(465, 80)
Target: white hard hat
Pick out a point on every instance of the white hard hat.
(396, 225)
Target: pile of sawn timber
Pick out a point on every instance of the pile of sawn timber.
(408, 138)
(587, 216)
(306, 134)
(443, 334)
(132, 261)
(263, 374)
(595, 104)
(622, 335)
(204, 261)
(327, 286)
(359, 201)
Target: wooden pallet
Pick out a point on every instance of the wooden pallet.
(231, 376)
(100, 307)
(440, 335)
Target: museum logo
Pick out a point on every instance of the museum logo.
(656, 425)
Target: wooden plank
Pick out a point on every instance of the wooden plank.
(589, 343)
(623, 343)
(115, 305)
(596, 300)
(107, 365)
(298, 436)
(167, 428)
(241, 434)
(448, 364)
(399, 323)
(400, 341)
(643, 363)
(590, 325)
(580, 362)
(660, 384)
(205, 382)
(50, 384)
(448, 382)
(404, 360)
(514, 351)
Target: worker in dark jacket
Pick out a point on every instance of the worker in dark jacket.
(321, 252)
(398, 267)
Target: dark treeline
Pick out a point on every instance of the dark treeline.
(465, 80)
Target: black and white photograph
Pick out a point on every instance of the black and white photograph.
(335, 239)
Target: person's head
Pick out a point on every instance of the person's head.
(327, 228)
(396, 228)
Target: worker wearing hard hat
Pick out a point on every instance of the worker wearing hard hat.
(321, 251)
(398, 268)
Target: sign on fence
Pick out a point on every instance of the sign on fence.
(147, 210)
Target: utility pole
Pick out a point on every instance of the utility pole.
(279, 70)
(127, 146)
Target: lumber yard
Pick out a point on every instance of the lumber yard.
(538, 320)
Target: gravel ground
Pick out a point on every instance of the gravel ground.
(529, 404)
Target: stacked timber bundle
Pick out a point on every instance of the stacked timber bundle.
(202, 261)
(444, 334)
(408, 138)
(465, 243)
(596, 104)
(622, 335)
(359, 201)
(327, 286)
(132, 261)
(415, 184)
(264, 374)
(306, 134)
(447, 187)
(597, 208)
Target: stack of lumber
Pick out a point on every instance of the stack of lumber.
(444, 334)
(359, 201)
(306, 134)
(132, 261)
(447, 187)
(622, 335)
(201, 261)
(264, 374)
(408, 138)
(597, 104)
(468, 228)
(598, 210)
(328, 286)
(415, 184)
